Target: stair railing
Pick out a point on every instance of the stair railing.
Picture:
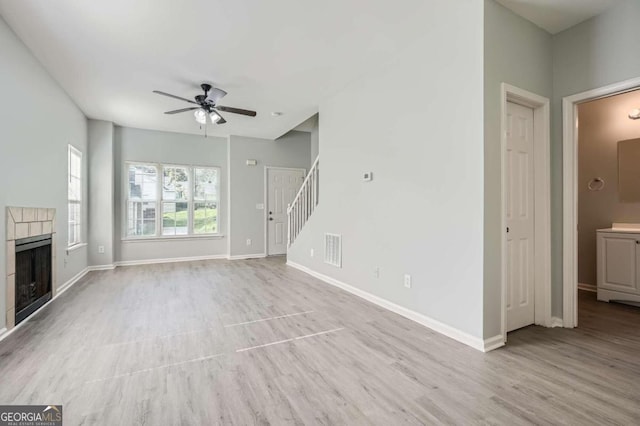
(303, 205)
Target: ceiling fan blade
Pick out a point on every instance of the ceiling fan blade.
(237, 110)
(174, 96)
(176, 111)
(216, 94)
(221, 120)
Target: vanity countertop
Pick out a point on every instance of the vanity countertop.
(620, 231)
(623, 228)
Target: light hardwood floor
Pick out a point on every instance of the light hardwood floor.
(191, 344)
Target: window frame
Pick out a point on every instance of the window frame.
(159, 201)
(72, 150)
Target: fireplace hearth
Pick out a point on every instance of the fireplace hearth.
(33, 274)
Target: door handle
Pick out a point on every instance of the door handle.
(270, 218)
(270, 212)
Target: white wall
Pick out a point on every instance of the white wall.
(518, 53)
(101, 190)
(172, 148)
(37, 121)
(315, 139)
(247, 183)
(423, 212)
(596, 53)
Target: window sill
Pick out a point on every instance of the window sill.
(172, 238)
(75, 247)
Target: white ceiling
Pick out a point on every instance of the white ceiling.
(557, 15)
(275, 55)
(308, 125)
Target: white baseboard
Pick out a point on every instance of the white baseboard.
(101, 267)
(64, 287)
(169, 260)
(175, 259)
(247, 256)
(494, 342)
(435, 325)
(588, 287)
(556, 322)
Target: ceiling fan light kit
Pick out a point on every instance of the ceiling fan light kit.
(207, 105)
(201, 116)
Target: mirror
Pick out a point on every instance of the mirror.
(629, 171)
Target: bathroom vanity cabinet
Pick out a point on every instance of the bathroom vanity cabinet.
(618, 264)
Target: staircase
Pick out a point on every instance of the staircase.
(301, 208)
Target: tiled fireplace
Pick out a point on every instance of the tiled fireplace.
(26, 222)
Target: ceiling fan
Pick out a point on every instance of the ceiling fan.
(207, 105)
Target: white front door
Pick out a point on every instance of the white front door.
(520, 217)
(282, 187)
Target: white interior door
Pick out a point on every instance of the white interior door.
(520, 217)
(282, 187)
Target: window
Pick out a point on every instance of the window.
(175, 201)
(142, 200)
(185, 197)
(205, 201)
(74, 195)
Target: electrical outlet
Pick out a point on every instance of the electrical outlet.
(101, 249)
(248, 241)
(311, 253)
(376, 272)
(407, 280)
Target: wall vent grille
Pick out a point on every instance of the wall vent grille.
(333, 249)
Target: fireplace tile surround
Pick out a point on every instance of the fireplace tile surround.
(24, 222)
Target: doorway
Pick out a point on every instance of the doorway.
(526, 220)
(570, 190)
(282, 185)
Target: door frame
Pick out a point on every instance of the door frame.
(266, 199)
(542, 201)
(570, 192)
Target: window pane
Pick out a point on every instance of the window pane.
(74, 194)
(175, 218)
(206, 184)
(205, 218)
(75, 188)
(73, 212)
(175, 183)
(74, 223)
(141, 218)
(72, 235)
(142, 182)
(75, 162)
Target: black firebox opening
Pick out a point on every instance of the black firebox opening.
(33, 274)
